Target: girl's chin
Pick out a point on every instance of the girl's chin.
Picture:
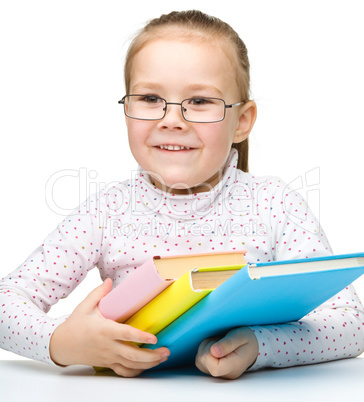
(180, 182)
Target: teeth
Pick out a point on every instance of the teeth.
(172, 147)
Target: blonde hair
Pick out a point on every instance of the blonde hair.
(194, 23)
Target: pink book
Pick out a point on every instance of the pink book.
(154, 276)
(133, 293)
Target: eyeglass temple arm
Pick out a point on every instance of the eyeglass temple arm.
(235, 104)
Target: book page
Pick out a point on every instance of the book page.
(257, 272)
(210, 279)
(175, 267)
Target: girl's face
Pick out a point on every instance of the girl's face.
(175, 70)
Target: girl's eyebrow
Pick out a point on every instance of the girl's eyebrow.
(208, 88)
(142, 86)
(153, 86)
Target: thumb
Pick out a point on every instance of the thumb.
(93, 298)
(225, 346)
(218, 350)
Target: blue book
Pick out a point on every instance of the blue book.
(258, 294)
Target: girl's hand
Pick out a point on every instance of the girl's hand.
(86, 337)
(230, 356)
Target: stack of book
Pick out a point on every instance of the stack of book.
(185, 299)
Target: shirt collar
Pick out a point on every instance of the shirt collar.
(151, 200)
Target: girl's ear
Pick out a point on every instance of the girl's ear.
(248, 115)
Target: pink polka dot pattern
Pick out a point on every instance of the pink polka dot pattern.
(333, 331)
(117, 229)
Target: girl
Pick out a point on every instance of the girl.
(188, 116)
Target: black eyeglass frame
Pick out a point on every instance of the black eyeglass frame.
(122, 101)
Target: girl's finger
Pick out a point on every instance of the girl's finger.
(233, 365)
(232, 341)
(123, 332)
(143, 364)
(93, 298)
(133, 353)
(202, 355)
(119, 369)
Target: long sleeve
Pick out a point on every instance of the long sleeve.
(333, 330)
(49, 274)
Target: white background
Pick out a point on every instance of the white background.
(61, 77)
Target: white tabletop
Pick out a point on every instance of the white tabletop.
(25, 380)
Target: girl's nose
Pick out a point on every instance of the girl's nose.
(173, 118)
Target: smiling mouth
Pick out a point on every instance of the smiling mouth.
(173, 147)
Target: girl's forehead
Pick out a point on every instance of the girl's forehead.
(191, 35)
(181, 65)
(167, 50)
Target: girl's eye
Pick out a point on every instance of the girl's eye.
(151, 99)
(199, 101)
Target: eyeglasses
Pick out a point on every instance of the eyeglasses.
(195, 110)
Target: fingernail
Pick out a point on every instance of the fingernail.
(151, 340)
(218, 350)
(165, 354)
(163, 359)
